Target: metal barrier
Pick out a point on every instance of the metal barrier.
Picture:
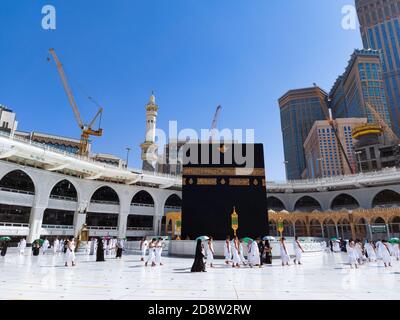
(139, 229)
(12, 224)
(54, 226)
(143, 204)
(101, 228)
(53, 196)
(16, 191)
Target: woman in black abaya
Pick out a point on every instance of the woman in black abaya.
(198, 264)
(100, 250)
(4, 248)
(35, 248)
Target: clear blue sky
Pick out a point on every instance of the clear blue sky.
(196, 54)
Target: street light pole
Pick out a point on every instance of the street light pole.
(127, 156)
(359, 161)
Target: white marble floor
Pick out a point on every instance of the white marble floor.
(323, 276)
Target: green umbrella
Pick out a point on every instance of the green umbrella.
(202, 238)
(394, 240)
(333, 238)
(5, 239)
(40, 241)
(246, 240)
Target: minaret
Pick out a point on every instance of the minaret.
(149, 147)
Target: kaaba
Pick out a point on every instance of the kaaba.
(219, 178)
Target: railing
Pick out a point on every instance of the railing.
(16, 191)
(105, 202)
(348, 207)
(307, 209)
(173, 207)
(102, 228)
(53, 196)
(12, 224)
(143, 204)
(139, 229)
(321, 182)
(388, 205)
(55, 226)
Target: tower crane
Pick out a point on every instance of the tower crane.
(380, 121)
(331, 121)
(214, 122)
(86, 129)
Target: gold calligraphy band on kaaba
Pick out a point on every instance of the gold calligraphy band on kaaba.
(228, 181)
(207, 181)
(239, 182)
(229, 171)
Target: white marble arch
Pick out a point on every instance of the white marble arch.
(44, 181)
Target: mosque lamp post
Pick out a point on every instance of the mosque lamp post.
(280, 225)
(234, 221)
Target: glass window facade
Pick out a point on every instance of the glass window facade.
(380, 30)
(298, 115)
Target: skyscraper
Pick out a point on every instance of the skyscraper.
(361, 83)
(299, 109)
(380, 30)
(324, 157)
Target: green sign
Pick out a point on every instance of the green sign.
(378, 229)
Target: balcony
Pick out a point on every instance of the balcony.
(16, 191)
(14, 229)
(57, 230)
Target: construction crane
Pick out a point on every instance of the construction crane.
(214, 122)
(331, 121)
(380, 121)
(86, 129)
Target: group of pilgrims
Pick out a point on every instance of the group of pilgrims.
(103, 247)
(151, 251)
(360, 253)
(259, 252)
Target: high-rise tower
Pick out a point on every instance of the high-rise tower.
(361, 84)
(299, 110)
(380, 30)
(149, 146)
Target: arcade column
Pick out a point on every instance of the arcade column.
(35, 224)
(337, 231)
(122, 224)
(124, 210)
(370, 231)
(80, 216)
(308, 228)
(159, 212)
(79, 220)
(353, 231)
(388, 231)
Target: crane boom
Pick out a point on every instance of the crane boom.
(214, 123)
(87, 130)
(215, 119)
(95, 117)
(67, 89)
(331, 122)
(392, 136)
